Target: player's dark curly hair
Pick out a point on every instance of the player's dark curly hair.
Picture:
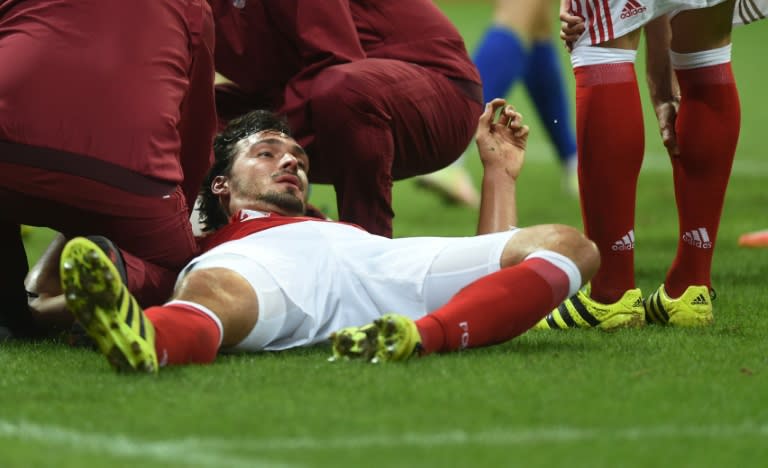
(212, 215)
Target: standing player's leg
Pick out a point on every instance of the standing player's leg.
(707, 128)
(502, 57)
(546, 87)
(610, 140)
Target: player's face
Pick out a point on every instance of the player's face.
(269, 173)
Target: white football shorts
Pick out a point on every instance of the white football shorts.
(749, 11)
(610, 19)
(313, 278)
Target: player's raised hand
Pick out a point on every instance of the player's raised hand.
(501, 138)
(571, 26)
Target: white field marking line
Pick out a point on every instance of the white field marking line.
(186, 452)
(744, 165)
(210, 451)
(503, 437)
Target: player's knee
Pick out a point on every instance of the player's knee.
(573, 244)
(225, 293)
(219, 289)
(586, 256)
(565, 240)
(519, 16)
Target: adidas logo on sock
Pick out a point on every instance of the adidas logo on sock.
(625, 243)
(632, 8)
(699, 300)
(698, 238)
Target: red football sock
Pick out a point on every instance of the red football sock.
(184, 334)
(707, 127)
(610, 140)
(495, 308)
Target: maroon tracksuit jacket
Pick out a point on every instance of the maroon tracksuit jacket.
(95, 128)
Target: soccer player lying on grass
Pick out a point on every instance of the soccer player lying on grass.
(273, 279)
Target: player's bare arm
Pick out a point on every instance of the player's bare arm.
(501, 140)
(662, 85)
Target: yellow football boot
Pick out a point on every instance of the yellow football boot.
(581, 311)
(99, 300)
(391, 338)
(692, 309)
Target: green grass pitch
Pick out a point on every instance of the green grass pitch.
(636, 398)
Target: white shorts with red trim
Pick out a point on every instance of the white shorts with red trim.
(314, 277)
(611, 19)
(749, 11)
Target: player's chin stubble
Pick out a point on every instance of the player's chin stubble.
(288, 203)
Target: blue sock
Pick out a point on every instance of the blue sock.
(546, 88)
(501, 59)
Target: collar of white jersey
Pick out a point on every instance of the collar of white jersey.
(245, 215)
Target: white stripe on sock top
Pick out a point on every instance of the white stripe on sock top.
(563, 263)
(592, 55)
(705, 58)
(204, 310)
